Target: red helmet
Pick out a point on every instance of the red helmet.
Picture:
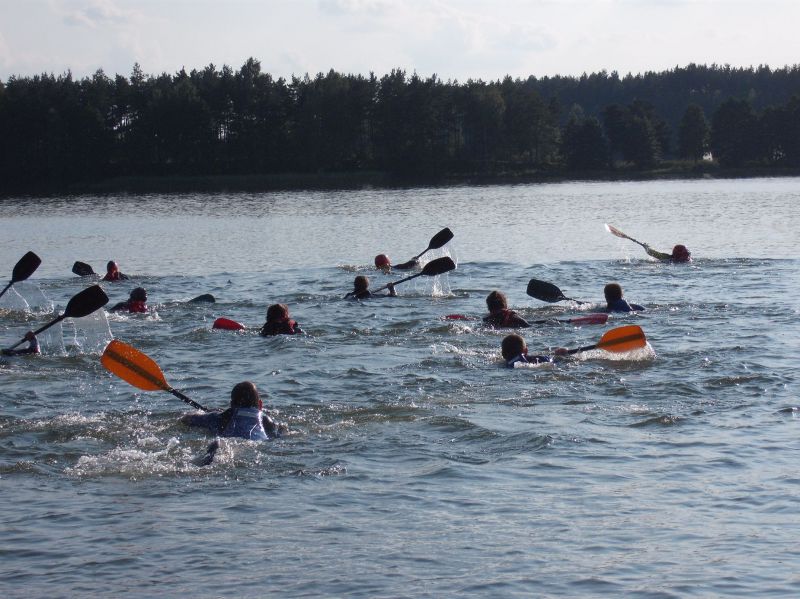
(382, 261)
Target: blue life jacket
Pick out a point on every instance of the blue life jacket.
(621, 305)
(233, 422)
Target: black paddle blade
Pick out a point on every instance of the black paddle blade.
(25, 267)
(542, 290)
(86, 302)
(438, 266)
(441, 238)
(205, 298)
(82, 269)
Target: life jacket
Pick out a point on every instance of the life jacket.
(242, 422)
(621, 305)
(281, 327)
(500, 318)
(137, 306)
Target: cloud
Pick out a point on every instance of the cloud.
(98, 13)
(350, 7)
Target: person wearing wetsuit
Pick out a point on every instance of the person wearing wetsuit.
(383, 263)
(279, 323)
(136, 304)
(614, 301)
(113, 273)
(499, 315)
(361, 290)
(680, 254)
(244, 418)
(33, 347)
(515, 351)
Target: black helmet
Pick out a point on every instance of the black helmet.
(139, 294)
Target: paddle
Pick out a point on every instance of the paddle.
(547, 292)
(431, 269)
(647, 248)
(437, 241)
(227, 324)
(82, 269)
(23, 269)
(205, 298)
(578, 320)
(138, 369)
(621, 339)
(81, 304)
(588, 319)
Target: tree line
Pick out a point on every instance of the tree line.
(55, 130)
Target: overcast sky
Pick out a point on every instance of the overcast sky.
(454, 39)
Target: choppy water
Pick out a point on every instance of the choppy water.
(417, 466)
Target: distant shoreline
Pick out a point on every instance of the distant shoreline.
(367, 179)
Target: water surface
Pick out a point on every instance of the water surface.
(417, 466)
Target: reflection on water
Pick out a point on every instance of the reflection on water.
(416, 464)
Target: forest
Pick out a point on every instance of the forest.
(56, 131)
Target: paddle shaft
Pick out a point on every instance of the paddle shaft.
(41, 329)
(408, 278)
(547, 292)
(437, 241)
(24, 268)
(572, 299)
(591, 319)
(650, 251)
(434, 268)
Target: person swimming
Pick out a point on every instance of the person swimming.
(244, 418)
(279, 323)
(113, 273)
(33, 347)
(680, 254)
(515, 351)
(614, 301)
(136, 304)
(499, 315)
(382, 262)
(361, 289)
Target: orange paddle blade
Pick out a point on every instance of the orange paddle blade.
(623, 339)
(134, 367)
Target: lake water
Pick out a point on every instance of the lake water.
(417, 466)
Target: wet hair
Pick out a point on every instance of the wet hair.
(382, 261)
(277, 312)
(512, 346)
(613, 292)
(360, 283)
(680, 253)
(139, 295)
(245, 395)
(496, 300)
(111, 266)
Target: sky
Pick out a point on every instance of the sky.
(453, 39)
